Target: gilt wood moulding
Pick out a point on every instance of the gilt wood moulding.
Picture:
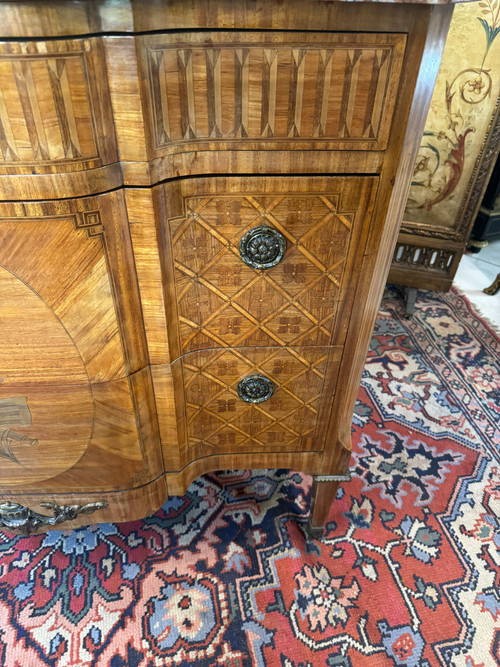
(199, 204)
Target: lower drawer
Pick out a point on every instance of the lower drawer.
(243, 400)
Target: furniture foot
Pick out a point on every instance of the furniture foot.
(410, 299)
(474, 246)
(494, 287)
(323, 494)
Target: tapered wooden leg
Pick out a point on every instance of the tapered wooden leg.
(323, 494)
(410, 299)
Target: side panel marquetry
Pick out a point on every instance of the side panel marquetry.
(270, 90)
(221, 301)
(76, 396)
(55, 112)
(56, 294)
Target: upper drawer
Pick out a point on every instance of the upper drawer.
(269, 90)
(70, 109)
(55, 110)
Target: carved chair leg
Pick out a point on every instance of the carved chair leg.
(494, 287)
(323, 494)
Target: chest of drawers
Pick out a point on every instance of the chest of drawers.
(199, 204)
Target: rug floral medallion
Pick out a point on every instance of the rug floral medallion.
(408, 573)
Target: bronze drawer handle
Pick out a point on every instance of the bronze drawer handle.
(255, 388)
(262, 247)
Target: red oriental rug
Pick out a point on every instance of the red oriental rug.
(409, 572)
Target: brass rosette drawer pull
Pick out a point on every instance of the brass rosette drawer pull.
(255, 389)
(262, 247)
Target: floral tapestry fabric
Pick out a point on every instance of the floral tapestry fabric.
(465, 99)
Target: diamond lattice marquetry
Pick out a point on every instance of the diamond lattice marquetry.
(328, 240)
(296, 272)
(225, 215)
(290, 324)
(261, 298)
(228, 275)
(222, 301)
(302, 213)
(196, 244)
(218, 418)
(315, 299)
(195, 300)
(232, 325)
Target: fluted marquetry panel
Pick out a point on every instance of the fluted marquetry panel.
(54, 106)
(260, 88)
(218, 420)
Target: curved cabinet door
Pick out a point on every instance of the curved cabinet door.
(258, 276)
(76, 406)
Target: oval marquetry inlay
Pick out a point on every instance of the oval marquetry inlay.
(46, 405)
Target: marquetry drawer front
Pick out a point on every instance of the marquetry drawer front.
(251, 399)
(306, 233)
(55, 109)
(270, 89)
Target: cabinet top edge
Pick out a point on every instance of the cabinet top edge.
(399, 2)
(36, 19)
